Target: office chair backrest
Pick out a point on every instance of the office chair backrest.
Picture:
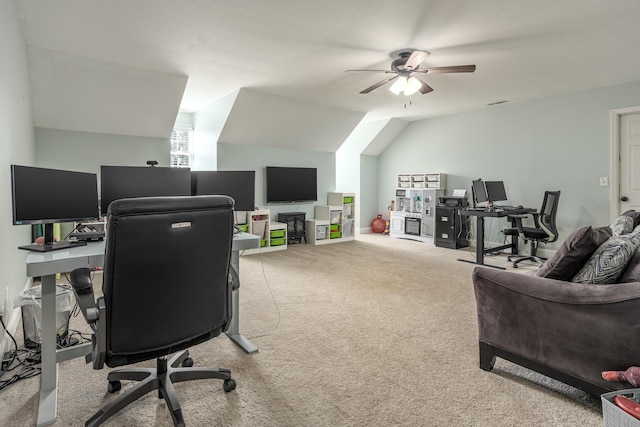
(165, 274)
(548, 214)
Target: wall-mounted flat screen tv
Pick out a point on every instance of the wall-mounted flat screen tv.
(239, 185)
(121, 182)
(290, 184)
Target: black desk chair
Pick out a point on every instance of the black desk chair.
(544, 229)
(166, 288)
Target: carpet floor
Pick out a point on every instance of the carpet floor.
(373, 332)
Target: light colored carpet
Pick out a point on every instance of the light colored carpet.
(375, 332)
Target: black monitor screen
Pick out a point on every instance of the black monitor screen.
(121, 182)
(495, 191)
(239, 185)
(285, 184)
(47, 196)
(479, 191)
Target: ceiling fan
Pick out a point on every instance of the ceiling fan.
(406, 70)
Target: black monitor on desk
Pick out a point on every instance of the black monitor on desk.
(479, 192)
(495, 191)
(48, 196)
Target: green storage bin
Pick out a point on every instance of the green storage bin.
(278, 241)
(276, 233)
(347, 200)
(243, 227)
(335, 234)
(263, 243)
(334, 227)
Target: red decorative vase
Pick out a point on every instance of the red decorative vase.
(378, 225)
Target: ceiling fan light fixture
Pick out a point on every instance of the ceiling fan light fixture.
(413, 85)
(399, 85)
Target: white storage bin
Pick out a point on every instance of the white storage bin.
(258, 227)
(613, 415)
(321, 232)
(335, 217)
(347, 228)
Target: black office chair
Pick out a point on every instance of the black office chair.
(544, 230)
(166, 288)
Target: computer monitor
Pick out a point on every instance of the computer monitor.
(48, 196)
(479, 191)
(239, 185)
(495, 191)
(121, 182)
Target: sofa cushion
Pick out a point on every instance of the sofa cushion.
(622, 225)
(574, 253)
(609, 261)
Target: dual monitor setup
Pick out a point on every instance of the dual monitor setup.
(48, 196)
(487, 192)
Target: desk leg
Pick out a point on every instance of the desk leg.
(480, 245)
(234, 329)
(47, 411)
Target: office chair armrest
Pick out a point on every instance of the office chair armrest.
(517, 219)
(83, 288)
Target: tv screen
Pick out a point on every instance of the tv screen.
(121, 182)
(479, 191)
(286, 184)
(239, 185)
(495, 191)
(47, 196)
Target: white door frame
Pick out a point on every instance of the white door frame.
(614, 150)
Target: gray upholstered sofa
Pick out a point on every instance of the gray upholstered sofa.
(566, 330)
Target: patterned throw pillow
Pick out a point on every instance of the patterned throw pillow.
(622, 225)
(609, 261)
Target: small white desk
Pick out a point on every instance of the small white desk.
(48, 264)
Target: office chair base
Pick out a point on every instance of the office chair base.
(161, 378)
(516, 259)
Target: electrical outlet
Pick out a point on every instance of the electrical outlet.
(604, 181)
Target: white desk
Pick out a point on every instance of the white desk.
(48, 264)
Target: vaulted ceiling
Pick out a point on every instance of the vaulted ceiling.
(127, 67)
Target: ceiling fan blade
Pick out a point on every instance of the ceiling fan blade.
(377, 85)
(451, 69)
(415, 59)
(425, 88)
(375, 71)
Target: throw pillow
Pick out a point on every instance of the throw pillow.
(609, 261)
(622, 225)
(635, 215)
(574, 253)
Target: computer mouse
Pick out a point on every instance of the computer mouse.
(519, 207)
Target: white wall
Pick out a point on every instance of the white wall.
(246, 157)
(87, 151)
(16, 147)
(556, 143)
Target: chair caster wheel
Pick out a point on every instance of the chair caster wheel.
(187, 363)
(229, 385)
(114, 386)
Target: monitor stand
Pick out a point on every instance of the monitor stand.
(49, 244)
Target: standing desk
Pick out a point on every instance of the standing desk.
(48, 264)
(496, 213)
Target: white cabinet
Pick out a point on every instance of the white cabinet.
(334, 222)
(273, 235)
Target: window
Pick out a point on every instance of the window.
(181, 148)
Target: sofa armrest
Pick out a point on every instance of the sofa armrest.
(574, 328)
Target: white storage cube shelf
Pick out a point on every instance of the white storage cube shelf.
(335, 222)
